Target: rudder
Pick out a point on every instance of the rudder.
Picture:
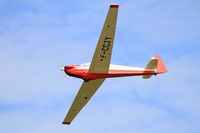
(156, 64)
(160, 66)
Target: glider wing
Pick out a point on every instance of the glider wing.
(86, 91)
(101, 58)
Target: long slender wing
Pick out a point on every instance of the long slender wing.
(86, 91)
(101, 58)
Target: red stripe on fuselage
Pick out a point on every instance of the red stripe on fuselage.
(83, 73)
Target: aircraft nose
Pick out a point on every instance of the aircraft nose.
(62, 68)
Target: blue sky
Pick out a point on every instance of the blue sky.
(37, 37)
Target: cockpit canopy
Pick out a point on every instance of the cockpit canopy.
(85, 64)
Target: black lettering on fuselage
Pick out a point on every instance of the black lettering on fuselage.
(105, 47)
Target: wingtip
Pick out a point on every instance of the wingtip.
(68, 123)
(114, 6)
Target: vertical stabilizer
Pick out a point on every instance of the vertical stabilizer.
(160, 66)
(155, 64)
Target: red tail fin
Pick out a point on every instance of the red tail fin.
(155, 64)
(160, 66)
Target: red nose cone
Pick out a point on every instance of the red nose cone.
(67, 69)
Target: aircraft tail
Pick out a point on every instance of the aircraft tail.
(156, 64)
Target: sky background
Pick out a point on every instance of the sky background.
(37, 37)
